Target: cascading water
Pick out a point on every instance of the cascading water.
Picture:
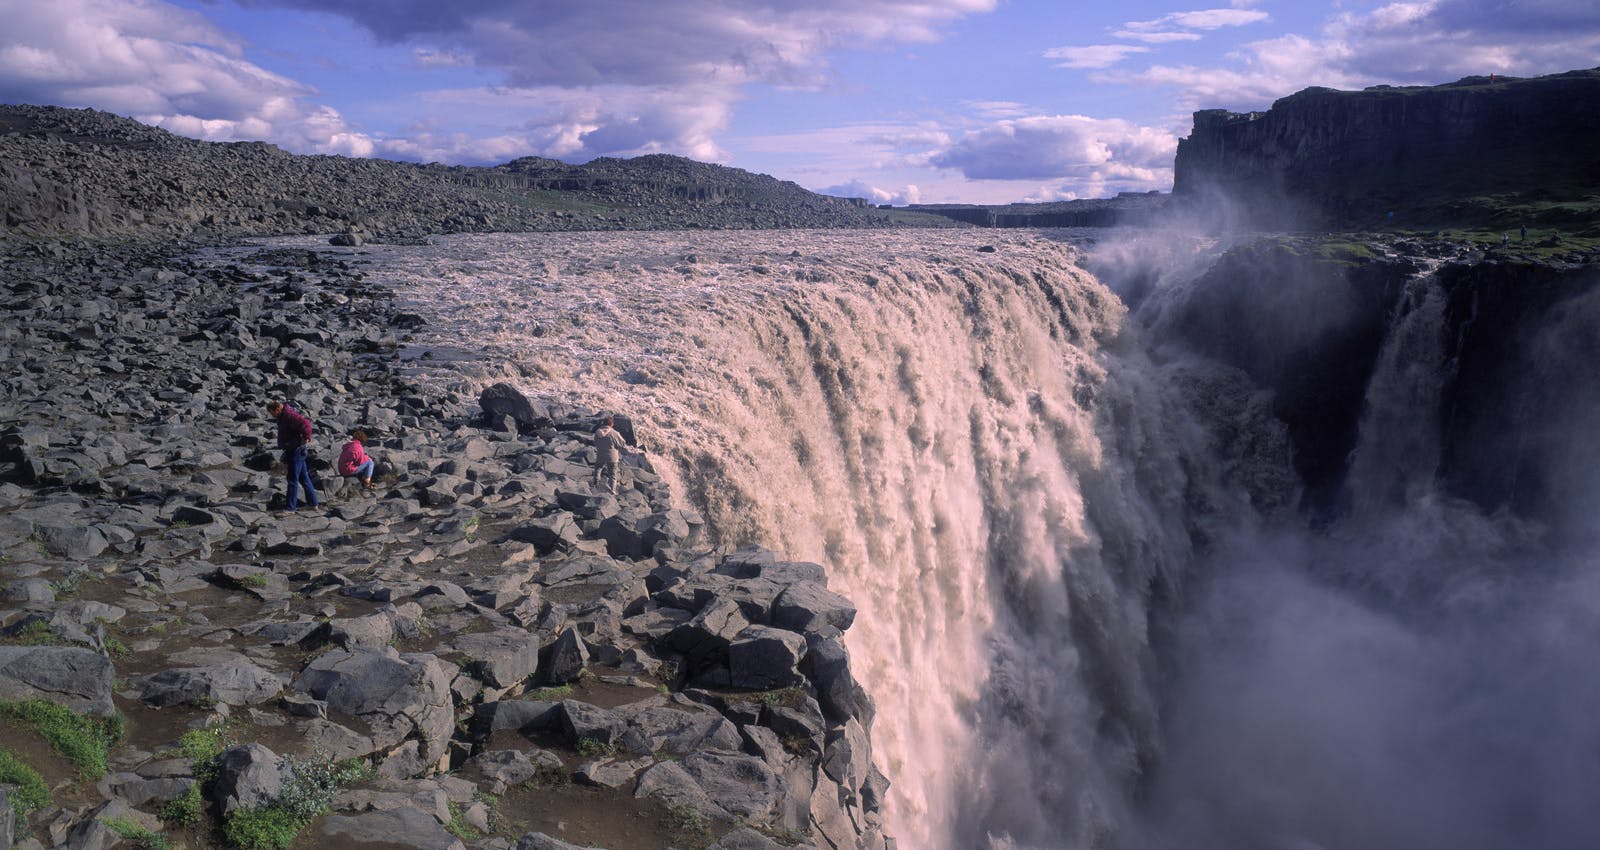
(987, 468)
(1399, 459)
(1079, 632)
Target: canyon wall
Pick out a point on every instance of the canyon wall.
(1352, 157)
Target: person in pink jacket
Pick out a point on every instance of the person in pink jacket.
(353, 460)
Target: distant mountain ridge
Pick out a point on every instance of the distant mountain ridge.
(90, 173)
(1486, 149)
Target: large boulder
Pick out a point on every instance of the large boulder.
(502, 659)
(548, 533)
(399, 696)
(580, 721)
(806, 606)
(73, 542)
(500, 400)
(249, 776)
(764, 658)
(566, 658)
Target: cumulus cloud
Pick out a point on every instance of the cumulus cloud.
(1092, 55)
(563, 123)
(1091, 155)
(908, 194)
(633, 77)
(161, 64)
(1405, 43)
(590, 77)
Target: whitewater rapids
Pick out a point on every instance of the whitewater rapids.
(950, 421)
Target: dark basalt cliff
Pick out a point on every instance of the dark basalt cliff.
(1489, 362)
(1465, 150)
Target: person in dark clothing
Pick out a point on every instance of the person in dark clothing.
(294, 434)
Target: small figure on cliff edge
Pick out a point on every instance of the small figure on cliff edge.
(294, 435)
(1524, 233)
(354, 462)
(608, 448)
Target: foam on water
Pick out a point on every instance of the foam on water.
(960, 435)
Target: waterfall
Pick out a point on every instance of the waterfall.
(953, 422)
(1090, 616)
(1398, 457)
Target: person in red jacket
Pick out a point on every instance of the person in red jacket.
(354, 461)
(294, 434)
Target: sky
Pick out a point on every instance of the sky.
(897, 101)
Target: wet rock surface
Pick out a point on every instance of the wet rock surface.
(517, 659)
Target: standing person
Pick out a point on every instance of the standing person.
(354, 461)
(608, 448)
(294, 434)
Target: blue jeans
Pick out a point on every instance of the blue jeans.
(364, 470)
(299, 476)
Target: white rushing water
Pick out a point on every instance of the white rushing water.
(987, 469)
(1076, 636)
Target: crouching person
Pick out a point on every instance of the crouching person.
(354, 462)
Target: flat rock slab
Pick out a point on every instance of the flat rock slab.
(80, 679)
(231, 684)
(391, 829)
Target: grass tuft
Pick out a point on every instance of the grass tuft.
(84, 741)
(144, 837)
(553, 694)
(458, 825)
(29, 793)
(307, 794)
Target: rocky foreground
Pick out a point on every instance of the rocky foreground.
(485, 653)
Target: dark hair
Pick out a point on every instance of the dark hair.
(274, 406)
(359, 435)
(609, 421)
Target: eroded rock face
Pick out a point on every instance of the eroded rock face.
(1352, 156)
